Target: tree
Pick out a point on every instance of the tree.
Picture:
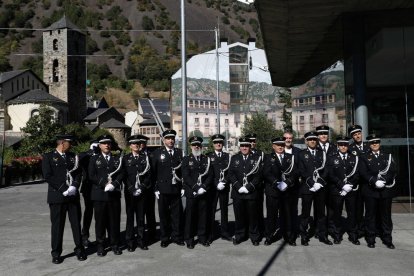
(40, 133)
(264, 128)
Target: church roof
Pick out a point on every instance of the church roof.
(64, 23)
(113, 123)
(94, 115)
(9, 75)
(35, 96)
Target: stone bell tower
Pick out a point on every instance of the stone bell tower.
(64, 66)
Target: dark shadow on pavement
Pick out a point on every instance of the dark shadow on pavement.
(272, 259)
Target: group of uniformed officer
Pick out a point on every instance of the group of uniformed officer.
(328, 176)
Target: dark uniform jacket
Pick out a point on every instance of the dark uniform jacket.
(220, 164)
(132, 168)
(356, 151)
(161, 170)
(370, 168)
(84, 158)
(307, 165)
(239, 168)
(54, 168)
(338, 169)
(273, 173)
(333, 149)
(98, 170)
(191, 170)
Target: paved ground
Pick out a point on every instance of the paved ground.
(25, 250)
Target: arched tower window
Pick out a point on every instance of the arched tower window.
(55, 45)
(55, 70)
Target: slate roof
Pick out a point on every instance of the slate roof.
(9, 75)
(64, 23)
(94, 115)
(162, 106)
(35, 96)
(113, 123)
(165, 119)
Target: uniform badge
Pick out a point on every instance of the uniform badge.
(306, 156)
(252, 162)
(190, 163)
(129, 161)
(237, 162)
(354, 152)
(336, 161)
(212, 159)
(272, 160)
(55, 159)
(98, 162)
(162, 156)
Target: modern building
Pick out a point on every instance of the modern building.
(244, 88)
(375, 39)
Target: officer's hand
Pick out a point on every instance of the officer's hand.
(312, 189)
(137, 192)
(201, 191)
(343, 193)
(109, 187)
(379, 184)
(65, 193)
(220, 186)
(182, 192)
(282, 186)
(347, 188)
(157, 194)
(317, 186)
(243, 190)
(72, 190)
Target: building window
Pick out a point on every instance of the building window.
(226, 122)
(55, 45)
(325, 119)
(206, 122)
(196, 122)
(55, 70)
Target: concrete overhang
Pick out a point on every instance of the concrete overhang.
(303, 37)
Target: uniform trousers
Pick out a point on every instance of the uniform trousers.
(350, 206)
(134, 207)
(170, 210)
(374, 208)
(284, 208)
(58, 218)
(196, 213)
(319, 199)
(247, 220)
(223, 198)
(149, 210)
(107, 215)
(87, 215)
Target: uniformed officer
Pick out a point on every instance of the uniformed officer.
(358, 147)
(220, 162)
(85, 190)
(260, 211)
(280, 174)
(379, 171)
(343, 175)
(138, 186)
(198, 180)
(245, 175)
(106, 176)
(149, 205)
(62, 173)
(329, 149)
(312, 169)
(166, 175)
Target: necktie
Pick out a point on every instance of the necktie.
(281, 158)
(64, 156)
(360, 148)
(245, 158)
(324, 147)
(219, 154)
(171, 152)
(376, 154)
(343, 157)
(313, 152)
(107, 158)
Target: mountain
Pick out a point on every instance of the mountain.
(114, 26)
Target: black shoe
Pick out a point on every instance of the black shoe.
(236, 241)
(304, 242)
(190, 245)
(354, 241)
(180, 243)
(371, 245)
(81, 255)
(226, 238)
(100, 251)
(292, 243)
(325, 241)
(389, 245)
(164, 244)
(267, 242)
(206, 244)
(86, 243)
(142, 246)
(255, 243)
(57, 260)
(116, 250)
